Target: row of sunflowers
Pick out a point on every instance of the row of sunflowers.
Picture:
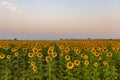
(60, 60)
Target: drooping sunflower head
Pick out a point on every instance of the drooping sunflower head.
(76, 62)
(70, 65)
(67, 57)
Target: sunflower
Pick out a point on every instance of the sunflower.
(2, 56)
(34, 68)
(16, 54)
(70, 65)
(30, 55)
(85, 57)
(14, 49)
(39, 55)
(67, 57)
(82, 55)
(105, 62)
(86, 62)
(76, 62)
(33, 63)
(95, 64)
(35, 50)
(105, 50)
(77, 51)
(8, 56)
(54, 54)
(96, 54)
(48, 58)
(61, 54)
(50, 51)
(67, 49)
(109, 54)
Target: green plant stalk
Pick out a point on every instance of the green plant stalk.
(49, 71)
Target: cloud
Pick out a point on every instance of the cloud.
(11, 7)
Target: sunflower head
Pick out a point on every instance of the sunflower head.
(54, 54)
(77, 51)
(16, 54)
(31, 55)
(34, 68)
(33, 63)
(8, 56)
(95, 64)
(86, 63)
(2, 56)
(70, 65)
(39, 55)
(105, 62)
(48, 58)
(76, 62)
(109, 54)
(67, 57)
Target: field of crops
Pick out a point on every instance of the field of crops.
(60, 60)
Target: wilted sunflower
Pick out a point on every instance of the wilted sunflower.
(76, 62)
(95, 64)
(48, 58)
(70, 65)
(8, 56)
(86, 62)
(54, 54)
(2, 56)
(39, 55)
(30, 55)
(67, 57)
(109, 54)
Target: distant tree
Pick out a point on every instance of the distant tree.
(61, 39)
(15, 39)
(89, 38)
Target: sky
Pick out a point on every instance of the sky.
(56, 19)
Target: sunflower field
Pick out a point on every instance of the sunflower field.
(60, 60)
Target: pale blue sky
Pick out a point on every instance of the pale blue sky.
(55, 19)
